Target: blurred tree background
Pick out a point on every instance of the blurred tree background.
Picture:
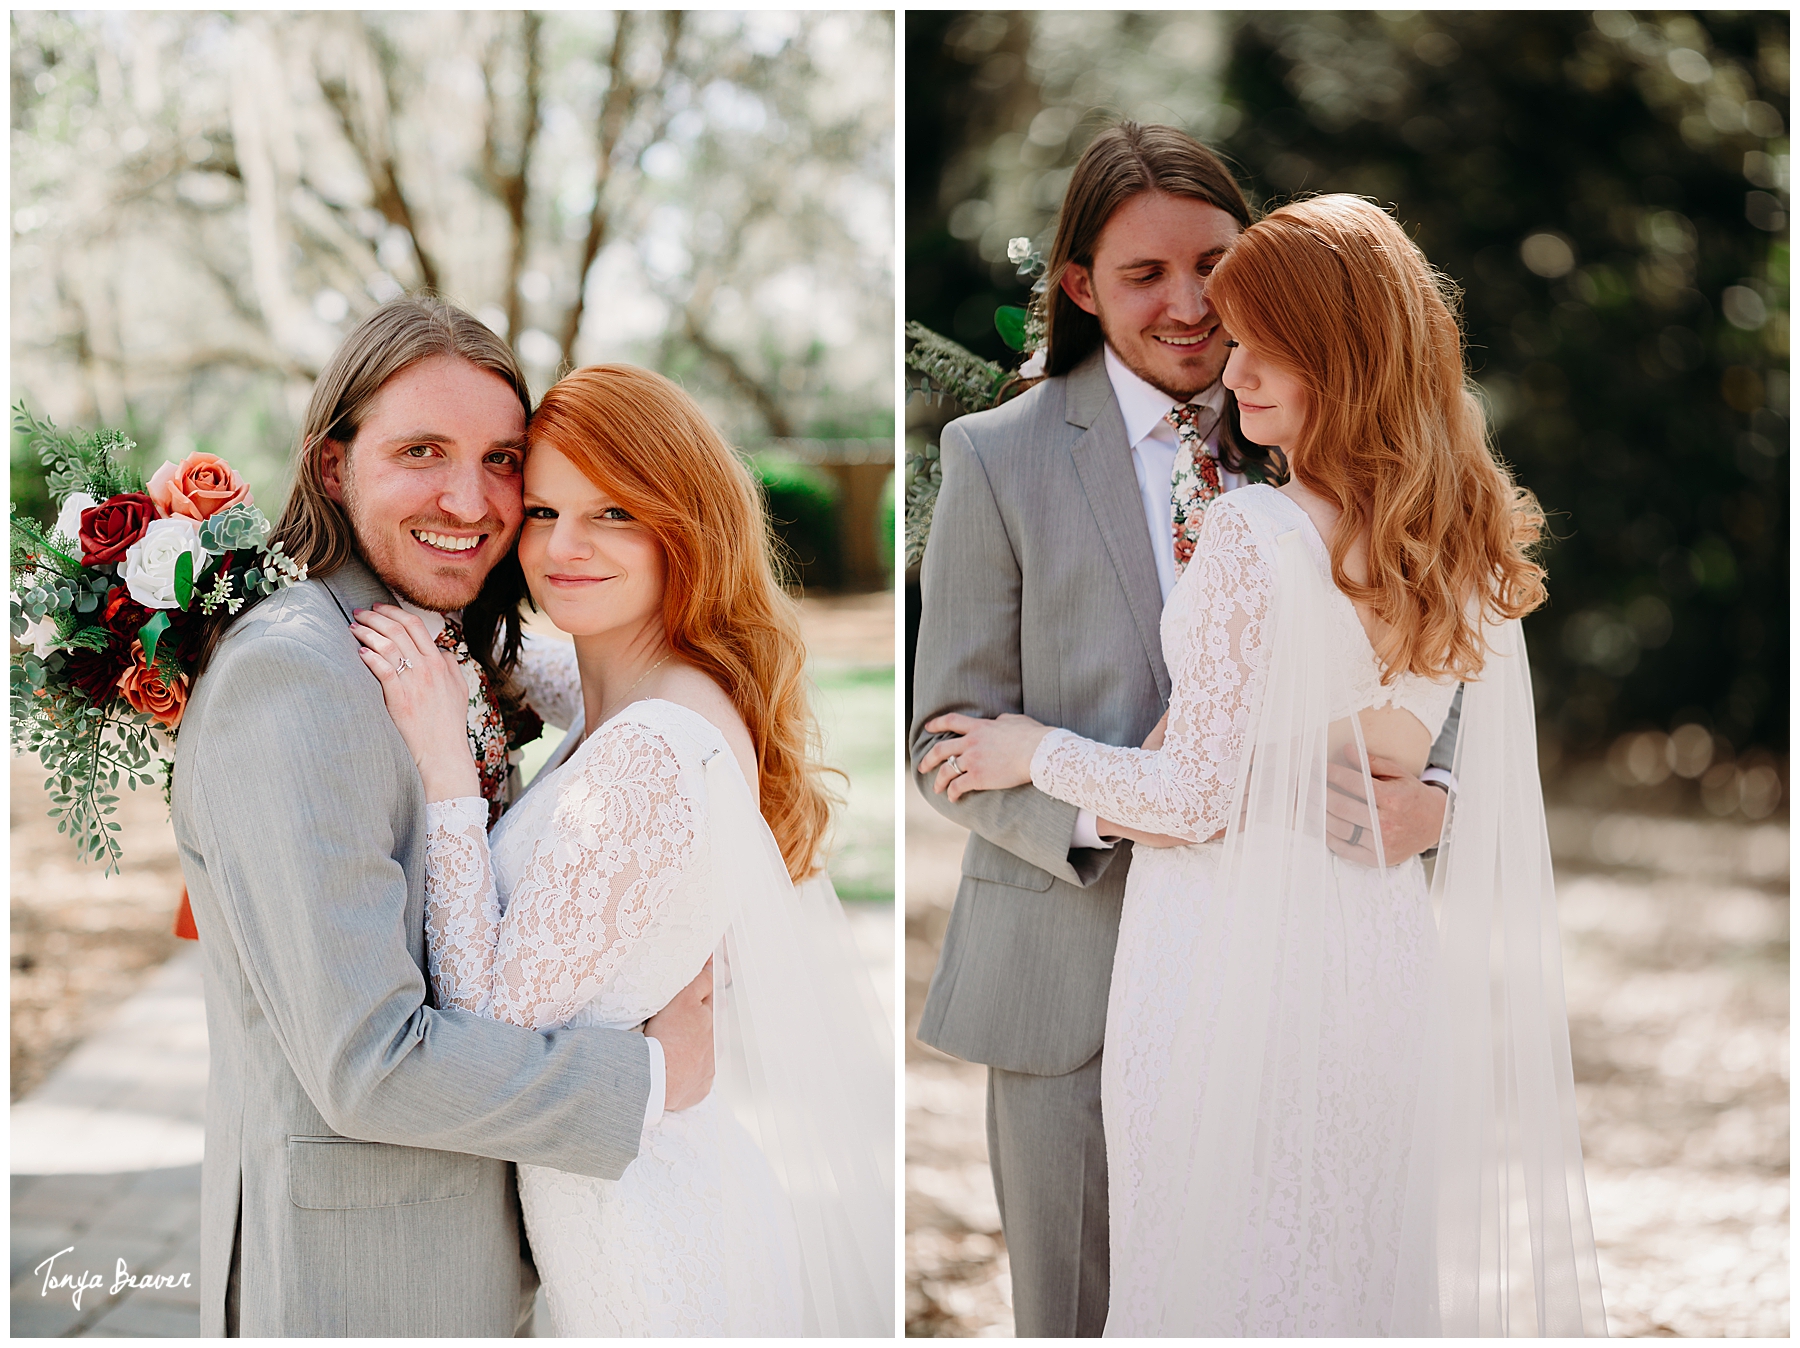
(205, 203)
(1610, 190)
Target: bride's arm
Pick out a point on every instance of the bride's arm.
(1184, 787)
(624, 833)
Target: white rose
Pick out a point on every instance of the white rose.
(1017, 250)
(1034, 367)
(149, 566)
(68, 520)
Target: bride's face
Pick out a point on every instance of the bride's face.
(592, 568)
(1271, 400)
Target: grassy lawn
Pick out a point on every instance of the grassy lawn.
(856, 708)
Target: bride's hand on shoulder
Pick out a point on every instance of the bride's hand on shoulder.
(984, 755)
(426, 695)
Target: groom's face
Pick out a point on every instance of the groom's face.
(1148, 289)
(432, 480)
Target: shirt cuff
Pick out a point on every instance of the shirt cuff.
(659, 1085)
(1440, 777)
(1087, 832)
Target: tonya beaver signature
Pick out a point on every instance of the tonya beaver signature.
(86, 1281)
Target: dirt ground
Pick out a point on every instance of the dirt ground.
(82, 941)
(1675, 939)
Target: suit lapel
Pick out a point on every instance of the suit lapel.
(1109, 479)
(354, 586)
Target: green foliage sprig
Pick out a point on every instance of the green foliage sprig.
(95, 465)
(938, 368)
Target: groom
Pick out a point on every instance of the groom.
(357, 1178)
(1052, 550)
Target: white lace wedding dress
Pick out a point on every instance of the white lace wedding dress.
(1321, 1211)
(594, 901)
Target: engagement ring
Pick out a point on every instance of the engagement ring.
(403, 666)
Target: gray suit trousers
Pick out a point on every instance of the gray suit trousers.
(1047, 1149)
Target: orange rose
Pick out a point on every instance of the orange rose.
(199, 487)
(149, 692)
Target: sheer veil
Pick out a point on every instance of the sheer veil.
(802, 1067)
(1488, 1194)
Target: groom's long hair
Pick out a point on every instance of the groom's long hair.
(648, 445)
(1120, 163)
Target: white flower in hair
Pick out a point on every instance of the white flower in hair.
(1034, 367)
(1017, 250)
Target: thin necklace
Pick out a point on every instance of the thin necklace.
(625, 701)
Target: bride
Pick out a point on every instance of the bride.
(680, 820)
(1337, 1100)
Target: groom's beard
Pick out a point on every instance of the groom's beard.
(1181, 380)
(388, 549)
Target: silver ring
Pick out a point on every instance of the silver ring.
(1356, 832)
(403, 666)
(960, 769)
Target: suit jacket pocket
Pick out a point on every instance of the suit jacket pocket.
(983, 860)
(340, 1172)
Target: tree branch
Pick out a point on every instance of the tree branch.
(512, 186)
(615, 111)
(773, 414)
(375, 149)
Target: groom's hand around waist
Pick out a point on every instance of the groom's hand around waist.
(684, 1028)
(1408, 813)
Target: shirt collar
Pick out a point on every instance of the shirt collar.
(1143, 405)
(434, 621)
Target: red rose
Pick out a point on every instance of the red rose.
(114, 525)
(96, 673)
(122, 615)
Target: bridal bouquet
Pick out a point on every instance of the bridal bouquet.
(109, 614)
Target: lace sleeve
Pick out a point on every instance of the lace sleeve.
(624, 833)
(1183, 788)
(552, 683)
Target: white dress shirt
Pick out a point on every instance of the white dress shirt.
(659, 1073)
(1154, 445)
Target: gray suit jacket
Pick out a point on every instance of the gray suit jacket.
(358, 1140)
(1040, 596)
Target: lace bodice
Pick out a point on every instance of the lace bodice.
(1214, 635)
(604, 866)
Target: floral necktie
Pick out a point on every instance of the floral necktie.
(1194, 481)
(487, 731)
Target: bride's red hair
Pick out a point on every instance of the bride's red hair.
(648, 445)
(1332, 290)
